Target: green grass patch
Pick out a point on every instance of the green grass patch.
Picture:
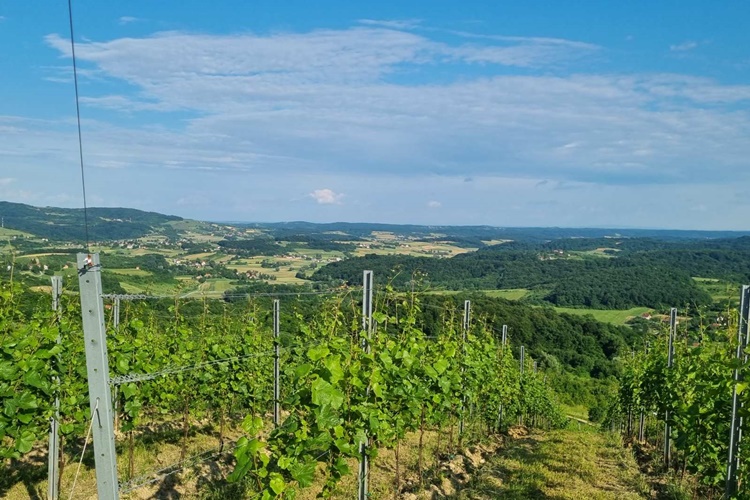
(614, 316)
(9, 233)
(130, 272)
(577, 411)
(563, 464)
(509, 294)
(719, 290)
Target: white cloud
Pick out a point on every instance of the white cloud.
(4, 181)
(128, 20)
(326, 197)
(434, 204)
(397, 24)
(346, 102)
(684, 46)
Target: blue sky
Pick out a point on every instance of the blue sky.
(617, 114)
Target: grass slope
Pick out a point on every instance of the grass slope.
(614, 316)
(562, 465)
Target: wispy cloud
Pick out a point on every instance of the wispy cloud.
(342, 101)
(397, 24)
(434, 204)
(128, 20)
(684, 46)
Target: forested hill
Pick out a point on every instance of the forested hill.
(625, 273)
(579, 343)
(67, 224)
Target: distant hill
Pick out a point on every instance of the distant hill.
(67, 224)
(475, 235)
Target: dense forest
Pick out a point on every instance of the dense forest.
(594, 283)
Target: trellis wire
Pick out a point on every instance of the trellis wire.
(158, 475)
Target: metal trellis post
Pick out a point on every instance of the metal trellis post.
(735, 436)
(642, 419)
(464, 331)
(53, 458)
(116, 313)
(670, 363)
(364, 465)
(503, 342)
(276, 360)
(97, 369)
(521, 363)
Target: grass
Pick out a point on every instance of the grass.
(386, 244)
(130, 272)
(495, 242)
(509, 294)
(152, 288)
(577, 411)
(155, 448)
(9, 233)
(614, 316)
(598, 252)
(718, 289)
(199, 256)
(562, 464)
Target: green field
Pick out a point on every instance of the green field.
(509, 294)
(614, 316)
(718, 289)
(130, 272)
(9, 233)
(151, 288)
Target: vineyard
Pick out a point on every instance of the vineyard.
(677, 396)
(298, 399)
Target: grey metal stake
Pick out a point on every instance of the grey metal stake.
(363, 487)
(521, 363)
(642, 419)
(464, 331)
(53, 458)
(735, 435)
(276, 360)
(116, 313)
(503, 343)
(116, 326)
(670, 363)
(97, 369)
